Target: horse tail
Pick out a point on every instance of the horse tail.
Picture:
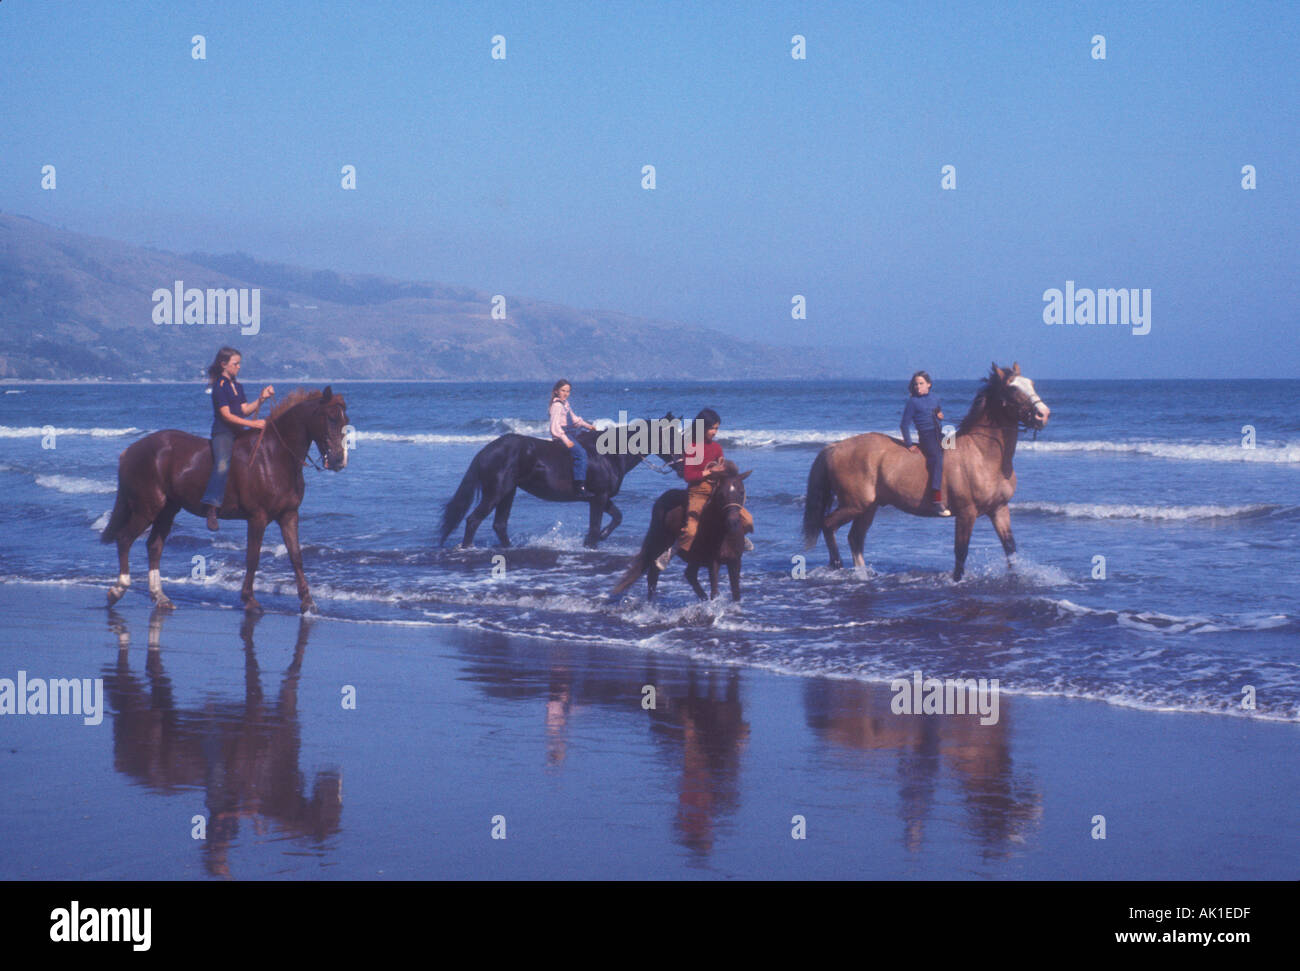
(651, 547)
(817, 501)
(466, 493)
(121, 506)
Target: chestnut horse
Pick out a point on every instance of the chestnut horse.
(720, 538)
(167, 471)
(868, 471)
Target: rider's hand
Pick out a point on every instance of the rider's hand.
(257, 423)
(267, 392)
(914, 448)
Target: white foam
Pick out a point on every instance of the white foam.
(33, 431)
(74, 484)
(1096, 510)
(1154, 622)
(1279, 455)
(416, 438)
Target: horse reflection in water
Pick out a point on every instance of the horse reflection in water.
(697, 723)
(243, 753)
(705, 717)
(1003, 809)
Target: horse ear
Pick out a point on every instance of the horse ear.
(745, 475)
(326, 394)
(1015, 367)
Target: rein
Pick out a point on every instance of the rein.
(1024, 425)
(270, 423)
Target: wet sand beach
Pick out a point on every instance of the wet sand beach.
(243, 729)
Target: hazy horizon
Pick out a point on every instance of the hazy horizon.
(775, 176)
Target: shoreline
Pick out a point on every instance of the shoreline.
(245, 723)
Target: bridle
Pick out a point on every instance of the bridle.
(270, 423)
(1028, 414)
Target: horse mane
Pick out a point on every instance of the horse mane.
(979, 407)
(296, 397)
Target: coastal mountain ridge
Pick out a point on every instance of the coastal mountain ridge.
(81, 307)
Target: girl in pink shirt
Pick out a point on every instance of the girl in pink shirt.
(564, 420)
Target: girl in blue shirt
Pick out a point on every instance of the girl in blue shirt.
(925, 412)
(229, 408)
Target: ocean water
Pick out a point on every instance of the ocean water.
(1199, 534)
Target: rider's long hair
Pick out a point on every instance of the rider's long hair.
(219, 363)
(555, 388)
(911, 385)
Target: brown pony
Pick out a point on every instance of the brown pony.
(167, 471)
(720, 538)
(873, 470)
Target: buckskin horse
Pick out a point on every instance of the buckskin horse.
(167, 471)
(719, 539)
(868, 471)
(544, 469)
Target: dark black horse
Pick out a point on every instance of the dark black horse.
(719, 539)
(544, 469)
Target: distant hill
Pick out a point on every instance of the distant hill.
(74, 306)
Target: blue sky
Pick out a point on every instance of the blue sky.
(775, 176)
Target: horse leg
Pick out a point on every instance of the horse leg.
(1001, 518)
(961, 540)
(733, 574)
(833, 522)
(479, 514)
(693, 578)
(157, 537)
(256, 528)
(858, 536)
(597, 507)
(289, 530)
(502, 517)
(615, 517)
(713, 579)
(130, 533)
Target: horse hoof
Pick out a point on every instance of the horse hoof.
(162, 603)
(309, 606)
(251, 606)
(115, 594)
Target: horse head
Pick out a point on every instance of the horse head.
(325, 426)
(671, 443)
(730, 495)
(1015, 393)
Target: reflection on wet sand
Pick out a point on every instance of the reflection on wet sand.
(697, 722)
(243, 753)
(1002, 808)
